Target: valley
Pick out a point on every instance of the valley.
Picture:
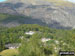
(36, 27)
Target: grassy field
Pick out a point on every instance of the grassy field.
(9, 52)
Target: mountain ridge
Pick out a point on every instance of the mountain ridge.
(35, 2)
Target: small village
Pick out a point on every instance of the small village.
(43, 40)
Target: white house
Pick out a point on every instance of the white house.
(30, 33)
(45, 39)
(13, 46)
(56, 41)
(64, 44)
(21, 37)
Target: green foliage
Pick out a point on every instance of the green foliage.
(32, 47)
(6, 18)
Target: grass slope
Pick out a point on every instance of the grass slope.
(56, 2)
(61, 3)
(9, 52)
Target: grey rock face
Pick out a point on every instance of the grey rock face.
(41, 12)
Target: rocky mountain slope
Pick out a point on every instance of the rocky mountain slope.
(41, 12)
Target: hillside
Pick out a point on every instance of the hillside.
(60, 40)
(36, 27)
(50, 13)
(9, 52)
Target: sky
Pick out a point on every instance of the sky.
(2, 0)
(72, 1)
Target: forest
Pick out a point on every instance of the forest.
(31, 45)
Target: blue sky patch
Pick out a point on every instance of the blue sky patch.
(2, 0)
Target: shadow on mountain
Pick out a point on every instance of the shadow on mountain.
(29, 20)
(17, 5)
(11, 6)
(57, 25)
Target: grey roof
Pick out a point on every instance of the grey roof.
(12, 45)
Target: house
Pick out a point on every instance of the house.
(13, 46)
(45, 39)
(22, 37)
(56, 41)
(30, 33)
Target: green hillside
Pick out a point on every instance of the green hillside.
(8, 18)
(45, 41)
(63, 40)
(9, 52)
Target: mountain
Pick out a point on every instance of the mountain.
(56, 14)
